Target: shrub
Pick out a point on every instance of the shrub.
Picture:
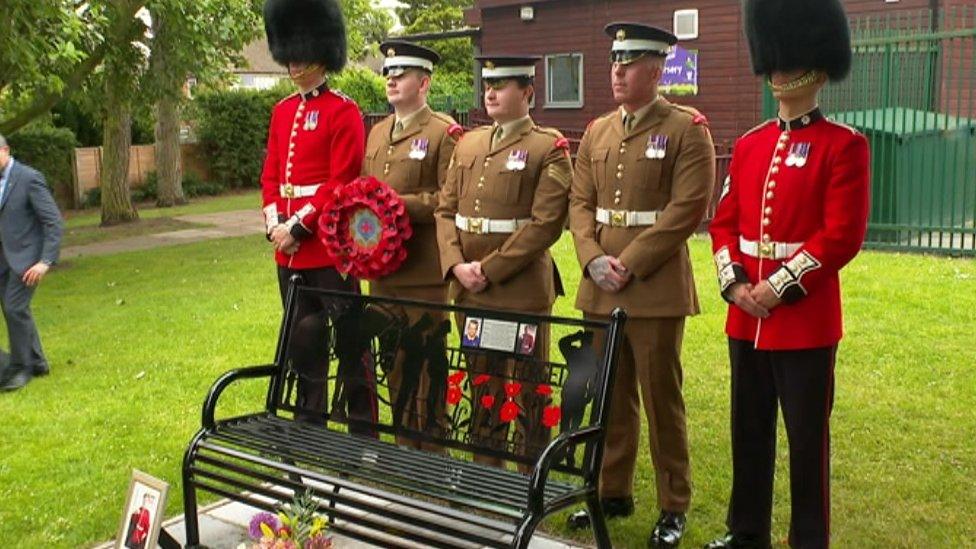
(50, 151)
(364, 86)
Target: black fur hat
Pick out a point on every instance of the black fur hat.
(786, 35)
(308, 31)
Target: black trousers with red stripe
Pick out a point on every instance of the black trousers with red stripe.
(309, 352)
(801, 382)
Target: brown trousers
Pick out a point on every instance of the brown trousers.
(416, 412)
(485, 431)
(650, 358)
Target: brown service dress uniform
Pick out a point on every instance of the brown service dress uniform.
(414, 162)
(507, 219)
(638, 195)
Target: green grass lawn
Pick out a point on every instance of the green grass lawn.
(136, 339)
(243, 200)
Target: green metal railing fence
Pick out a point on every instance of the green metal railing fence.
(912, 91)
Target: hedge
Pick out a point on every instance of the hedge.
(50, 151)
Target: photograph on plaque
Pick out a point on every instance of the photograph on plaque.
(472, 332)
(526, 338)
(142, 515)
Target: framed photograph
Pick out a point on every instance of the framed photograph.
(471, 336)
(526, 338)
(143, 512)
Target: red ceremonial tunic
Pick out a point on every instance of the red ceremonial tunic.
(315, 142)
(796, 197)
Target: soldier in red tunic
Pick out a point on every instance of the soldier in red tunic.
(792, 213)
(316, 142)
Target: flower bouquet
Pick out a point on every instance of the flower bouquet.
(295, 526)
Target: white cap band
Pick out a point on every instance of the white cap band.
(641, 45)
(408, 61)
(507, 72)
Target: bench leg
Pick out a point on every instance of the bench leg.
(599, 522)
(190, 499)
(525, 530)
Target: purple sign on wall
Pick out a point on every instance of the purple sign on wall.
(680, 73)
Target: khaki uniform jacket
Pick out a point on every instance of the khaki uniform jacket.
(678, 186)
(520, 271)
(417, 181)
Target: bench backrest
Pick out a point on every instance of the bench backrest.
(395, 368)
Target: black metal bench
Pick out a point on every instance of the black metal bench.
(374, 490)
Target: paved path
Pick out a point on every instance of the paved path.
(224, 224)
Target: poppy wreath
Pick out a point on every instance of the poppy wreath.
(365, 227)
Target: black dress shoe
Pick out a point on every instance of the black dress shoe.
(612, 508)
(728, 541)
(16, 380)
(41, 370)
(668, 530)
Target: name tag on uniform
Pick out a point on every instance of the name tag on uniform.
(516, 160)
(418, 148)
(311, 120)
(799, 152)
(657, 144)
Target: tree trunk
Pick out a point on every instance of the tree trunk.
(169, 190)
(169, 172)
(116, 198)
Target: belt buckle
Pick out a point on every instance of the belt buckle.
(289, 190)
(766, 250)
(477, 225)
(618, 218)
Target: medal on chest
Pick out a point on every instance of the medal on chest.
(311, 121)
(797, 157)
(657, 144)
(418, 148)
(516, 160)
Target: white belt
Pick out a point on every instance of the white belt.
(624, 218)
(769, 250)
(483, 225)
(288, 190)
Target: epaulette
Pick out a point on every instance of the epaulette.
(551, 132)
(443, 118)
(341, 95)
(603, 117)
(696, 116)
(852, 129)
(759, 127)
(480, 129)
(286, 98)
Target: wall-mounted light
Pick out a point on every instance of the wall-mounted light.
(527, 13)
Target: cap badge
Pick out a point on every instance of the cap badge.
(621, 35)
(390, 52)
(489, 65)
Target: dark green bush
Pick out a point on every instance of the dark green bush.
(50, 151)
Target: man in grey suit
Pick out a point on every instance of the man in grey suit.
(30, 237)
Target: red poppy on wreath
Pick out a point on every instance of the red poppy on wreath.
(509, 411)
(453, 394)
(481, 379)
(456, 378)
(364, 228)
(551, 416)
(544, 390)
(513, 389)
(487, 401)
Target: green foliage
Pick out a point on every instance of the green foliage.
(421, 16)
(366, 26)
(451, 92)
(50, 151)
(366, 87)
(193, 186)
(233, 130)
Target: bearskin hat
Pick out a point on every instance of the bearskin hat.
(787, 35)
(306, 31)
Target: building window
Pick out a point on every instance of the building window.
(686, 24)
(564, 81)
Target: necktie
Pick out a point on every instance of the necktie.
(397, 129)
(496, 137)
(628, 122)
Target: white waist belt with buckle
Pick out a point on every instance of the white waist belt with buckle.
(769, 250)
(483, 225)
(288, 190)
(624, 218)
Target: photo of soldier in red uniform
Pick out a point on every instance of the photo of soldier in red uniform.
(140, 521)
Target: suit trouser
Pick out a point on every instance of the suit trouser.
(15, 297)
(802, 383)
(309, 351)
(415, 411)
(649, 359)
(487, 428)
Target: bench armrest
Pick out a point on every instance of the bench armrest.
(553, 451)
(224, 381)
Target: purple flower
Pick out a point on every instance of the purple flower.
(254, 528)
